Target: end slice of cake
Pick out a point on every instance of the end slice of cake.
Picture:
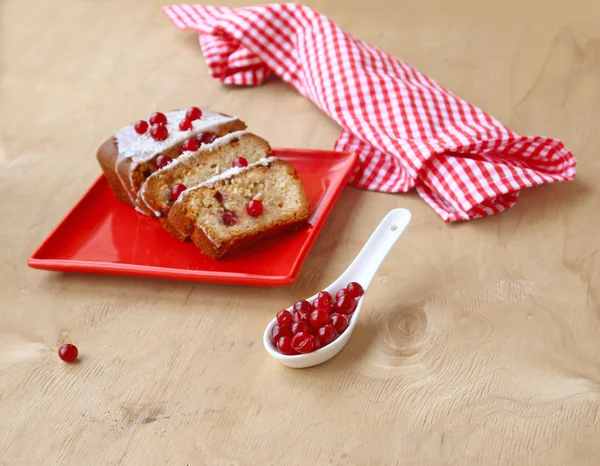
(241, 206)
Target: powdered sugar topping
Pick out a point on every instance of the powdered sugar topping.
(225, 139)
(141, 147)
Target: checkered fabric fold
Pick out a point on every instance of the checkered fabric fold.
(408, 131)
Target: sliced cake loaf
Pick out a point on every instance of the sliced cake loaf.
(138, 150)
(163, 187)
(240, 206)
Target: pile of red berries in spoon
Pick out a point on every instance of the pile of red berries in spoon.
(309, 327)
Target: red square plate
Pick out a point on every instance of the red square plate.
(103, 235)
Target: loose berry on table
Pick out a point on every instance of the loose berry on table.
(68, 352)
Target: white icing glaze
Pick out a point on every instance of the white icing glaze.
(210, 238)
(234, 171)
(137, 208)
(226, 138)
(143, 198)
(142, 147)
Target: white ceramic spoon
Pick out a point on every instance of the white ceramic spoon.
(362, 270)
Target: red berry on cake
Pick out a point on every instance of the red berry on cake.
(239, 162)
(339, 322)
(284, 317)
(140, 127)
(190, 145)
(159, 132)
(68, 352)
(301, 326)
(206, 138)
(327, 334)
(284, 345)
(303, 343)
(193, 113)
(185, 125)
(176, 191)
(254, 208)
(163, 160)
(318, 318)
(228, 219)
(354, 290)
(158, 118)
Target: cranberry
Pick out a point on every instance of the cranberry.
(301, 326)
(206, 138)
(176, 191)
(316, 342)
(279, 331)
(340, 293)
(284, 317)
(193, 113)
(284, 345)
(327, 334)
(326, 295)
(158, 118)
(68, 352)
(302, 310)
(353, 306)
(318, 318)
(163, 160)
(254, 208)
(301, 316)
(159, 132)
(228, 219)
(339, 322)
(302, 305)
(185, 125)
(239, 162)
(354, 290)
(303, 342)
(345, 305)
(190, 145)
(141, 127)
(322, 303)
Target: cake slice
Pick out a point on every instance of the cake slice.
(241, 206)
(193, 168)
(130, 156)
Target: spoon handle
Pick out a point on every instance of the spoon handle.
(366, 264)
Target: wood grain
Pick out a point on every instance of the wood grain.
(478, 343)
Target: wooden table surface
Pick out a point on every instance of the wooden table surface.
(478, 343)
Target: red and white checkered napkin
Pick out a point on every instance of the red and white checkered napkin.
(408, 130)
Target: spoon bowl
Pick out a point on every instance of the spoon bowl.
(362, 270)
